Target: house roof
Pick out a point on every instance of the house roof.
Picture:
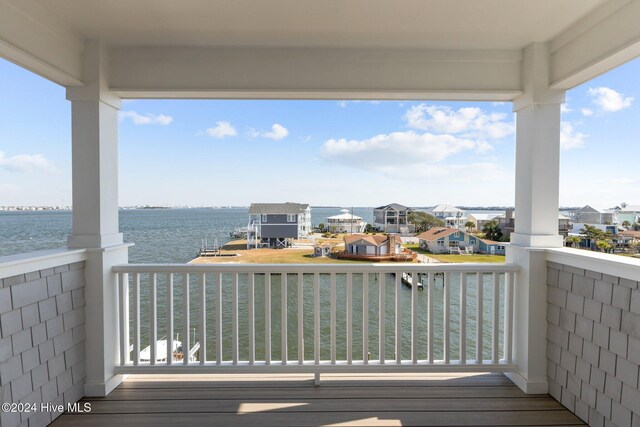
(629, 208)
(375, 239)
(491, 242)
(445, 208)
(630, 233)
(395, 206)
(588, 208)
(513, 215)
(483, 216)
(436, 233)
(277, 208)
(344, 216)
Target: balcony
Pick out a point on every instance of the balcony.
(554, 321)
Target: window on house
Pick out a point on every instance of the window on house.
(264, 218)
(472, 241)
(454, 244)
(456, 234)
(440, 242)
(291, 218)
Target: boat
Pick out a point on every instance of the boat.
(239, 233)
(161, 351)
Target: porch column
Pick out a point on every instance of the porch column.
(536, 208)
(94, 116)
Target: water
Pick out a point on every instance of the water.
(160, 235)
(174, 236)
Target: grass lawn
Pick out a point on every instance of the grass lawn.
(271, 256)
(457, 258)
(469, 258)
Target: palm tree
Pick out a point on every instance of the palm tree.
(626, 224)
(470, 225)
(573, 241)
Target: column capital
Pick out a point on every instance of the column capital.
(96, 82)
(535, 76)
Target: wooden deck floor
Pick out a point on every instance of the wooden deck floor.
(293, 400)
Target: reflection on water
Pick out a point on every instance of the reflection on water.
(374, 287)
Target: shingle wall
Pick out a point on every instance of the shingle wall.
(593, 345)
(42, 331)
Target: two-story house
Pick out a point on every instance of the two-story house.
(452, 216)
(276, 225)
(392, 218)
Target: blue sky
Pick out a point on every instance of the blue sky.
(200, 152)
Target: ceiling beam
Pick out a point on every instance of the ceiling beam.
(314, 73)
(607, 38)
(35, 40)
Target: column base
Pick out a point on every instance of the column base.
(94, 241)
(528, 386)
(103, 389)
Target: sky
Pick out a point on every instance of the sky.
(338, 153)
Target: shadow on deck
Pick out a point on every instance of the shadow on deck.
(283, 400)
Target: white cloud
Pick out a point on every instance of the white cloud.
(397, 150)
(221, 130)
(277, 132)
(343, 104)
(146, 119)
(608, 99)
(587, 112)
(27, 163)
(564, 108)
(468, 122)
(570, 138)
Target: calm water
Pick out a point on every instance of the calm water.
(160, 235)
(174, 236)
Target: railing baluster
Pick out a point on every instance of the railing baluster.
(414, 317)
(123, 285)
(186, 339)
(234, 319)
(252, 317)
(316, 318)
(509, 279)
(365, 318)
(479, 313)
(398, 331)
(170, 320)
(203, 319)
(218, 303)
(463, 318)
(283, 314)
(430, 294)
(496, 319)
(267, 318)
(447, 318)
(300, 318)
(153, 318)
(333, 318)
(381, 290)
(349, 318)
(136, 319)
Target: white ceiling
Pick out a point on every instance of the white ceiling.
(431, 24)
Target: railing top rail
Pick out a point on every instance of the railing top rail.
(316, 268)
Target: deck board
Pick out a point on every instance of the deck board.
(435, 400)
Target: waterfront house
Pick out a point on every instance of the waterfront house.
(440, 240)
(591, 215)
(277, 225)
(345, 222)
(375, 247)
(630, 213)
(392, 218)
(452, 216)
(83, 300)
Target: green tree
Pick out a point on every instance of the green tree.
(470, 225)
(321, 227)
(573, 241)
(368, 228)
(626, 224)
(492, 231)
(604, 245)
(424, 221)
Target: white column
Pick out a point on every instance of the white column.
(94, 115)
(536, 210)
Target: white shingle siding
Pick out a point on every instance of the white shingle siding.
(593, 345)
(42, 355)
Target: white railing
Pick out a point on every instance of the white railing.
(315, 318)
